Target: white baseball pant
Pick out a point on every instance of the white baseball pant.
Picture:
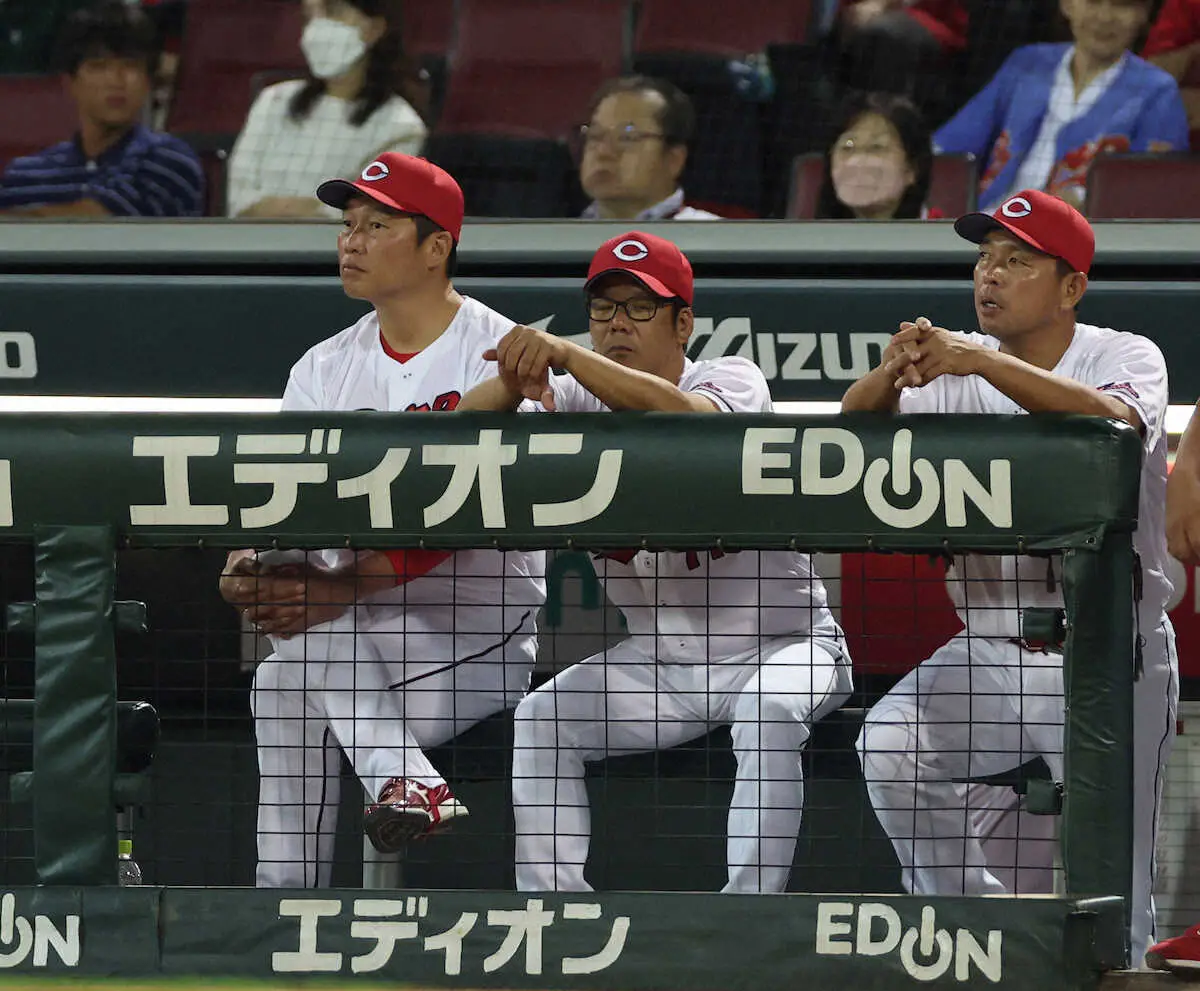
(983, 706)
(622, 703)
(328, 691)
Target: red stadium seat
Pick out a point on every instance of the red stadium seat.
(1152, 187)
(1191, 80)
(226, 43)
(530, 67)
(35, 112)
(428, 27)
(718, 27)
(805, 186)
(953, 185)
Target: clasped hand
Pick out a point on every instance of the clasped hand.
(921, 352)
(524, 357)
(284, 600)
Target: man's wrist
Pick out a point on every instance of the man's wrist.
(982, 361)
(567, 356)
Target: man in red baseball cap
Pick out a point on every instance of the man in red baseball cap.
(405, 185)
(639, 301)
(384, 683)
(744, 640)
(917, 746)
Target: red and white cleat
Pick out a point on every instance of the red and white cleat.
(1180, 955)
(409, 810)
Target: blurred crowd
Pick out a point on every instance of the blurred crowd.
(610, 109)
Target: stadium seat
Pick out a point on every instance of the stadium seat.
(35, 112)
(953, 185)
(724, 171)
(1154, 187)
(696, 45)
(718, 27)
(226, 43)
(805, 186)
(428, 39)
(1191, 80)
(507, 175)
(428, 27)
(531, 65)
(214, 158)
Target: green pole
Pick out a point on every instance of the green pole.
(75, 720)
(1097, 838)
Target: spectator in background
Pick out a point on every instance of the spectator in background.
(1051, 109)
(879, 165)
(902, 46)
(114, 166)
(634, 149)
(356, 103)
(1174, 45)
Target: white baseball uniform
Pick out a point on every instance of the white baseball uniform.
(409, 667)
(982, 703)
(716, 639)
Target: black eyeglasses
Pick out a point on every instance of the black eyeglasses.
(625, 136)
(639, 309)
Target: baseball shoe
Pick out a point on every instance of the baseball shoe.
(409, 810)
(1180, 955)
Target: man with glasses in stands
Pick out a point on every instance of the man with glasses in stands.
(633, 150)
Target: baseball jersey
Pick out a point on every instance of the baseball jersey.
(990, 590)
(355, 370)
(699, 607)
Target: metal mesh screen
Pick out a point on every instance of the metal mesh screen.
(657, 808)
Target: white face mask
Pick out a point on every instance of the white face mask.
(866, 180)
(331, 47)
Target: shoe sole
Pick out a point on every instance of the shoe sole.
(390, 829)
(1156, 961)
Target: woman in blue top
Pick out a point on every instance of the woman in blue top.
(1051, 109)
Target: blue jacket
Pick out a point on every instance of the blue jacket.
(1140, 111)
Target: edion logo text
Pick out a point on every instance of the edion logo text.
(769, 466)
(21, 939)
(875, 929)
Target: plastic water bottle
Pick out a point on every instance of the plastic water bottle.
(128, 872)
(752, 78)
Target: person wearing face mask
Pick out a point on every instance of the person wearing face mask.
(359, 100)
(1051, 109)
(878, 166)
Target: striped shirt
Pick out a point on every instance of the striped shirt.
(145, 174)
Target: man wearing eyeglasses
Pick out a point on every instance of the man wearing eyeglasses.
(633, 150)
(740, 639)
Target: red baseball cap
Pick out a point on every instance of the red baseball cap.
(404, 183)
(1042, 221)
(655, 262)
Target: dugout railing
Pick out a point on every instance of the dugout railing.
(80, 488)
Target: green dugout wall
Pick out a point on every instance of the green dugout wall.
(216, 309)
(78, 487)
